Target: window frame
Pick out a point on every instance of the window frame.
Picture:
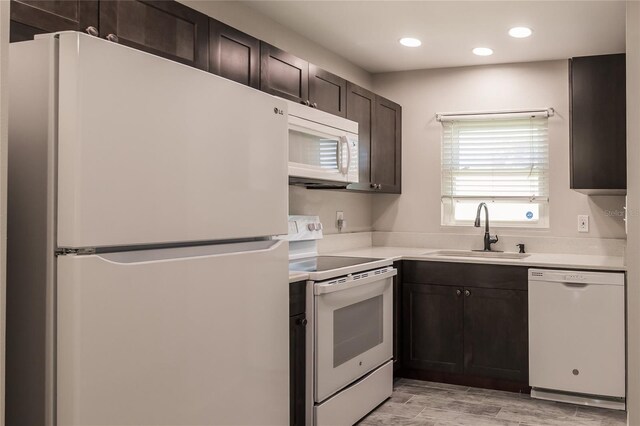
(448, 201)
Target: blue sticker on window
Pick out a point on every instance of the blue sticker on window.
(529, 215)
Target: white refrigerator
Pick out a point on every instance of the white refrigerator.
(145, 285)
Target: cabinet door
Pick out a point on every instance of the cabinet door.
(327, 91)
(495, 333)
(598, 124)
(31, 17)
(386, 146)
(360, 108)
(234, 54)
(283, 74)
(432, 327)
(164, 28)
(297, 362)
(397, 319)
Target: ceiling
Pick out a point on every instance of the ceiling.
(367, 32)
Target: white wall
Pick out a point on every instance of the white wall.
(633, 204)
(483, 88)
(254, 23)
(4, 98)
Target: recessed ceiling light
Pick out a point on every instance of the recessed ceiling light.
(520, 32)
(482, 51)
(410, 42)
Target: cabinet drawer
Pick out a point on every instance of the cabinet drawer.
(297, 298)
(466, 274)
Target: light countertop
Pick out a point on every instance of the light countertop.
(541, 260)
(295, 276)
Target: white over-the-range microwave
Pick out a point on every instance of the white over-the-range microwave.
(323, 148)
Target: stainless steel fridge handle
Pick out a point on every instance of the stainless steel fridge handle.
(181, 253)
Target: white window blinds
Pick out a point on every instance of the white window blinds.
(495, 159)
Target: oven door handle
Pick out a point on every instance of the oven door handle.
(320, 289)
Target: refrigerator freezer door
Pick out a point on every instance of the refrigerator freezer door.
(152, 151)
(188, 336)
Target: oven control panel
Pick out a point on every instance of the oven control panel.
(304, 228)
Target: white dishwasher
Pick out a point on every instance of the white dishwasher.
(577, 337)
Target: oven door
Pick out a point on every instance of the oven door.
(322, 152)
(353, 328)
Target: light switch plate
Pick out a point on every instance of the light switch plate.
(583, 223)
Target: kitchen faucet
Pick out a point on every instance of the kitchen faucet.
(487, 237)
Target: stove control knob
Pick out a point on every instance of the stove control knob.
(311, 227)
(318, 226)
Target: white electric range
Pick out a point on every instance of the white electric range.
(350, 336)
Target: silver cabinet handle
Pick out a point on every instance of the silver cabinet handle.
(112, 37)
(92, 31)
(315, 105)
(458, 292)
(467, 293)
(379, 186)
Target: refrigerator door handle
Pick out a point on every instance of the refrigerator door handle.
(181, 253)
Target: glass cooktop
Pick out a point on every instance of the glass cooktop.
(326, 263)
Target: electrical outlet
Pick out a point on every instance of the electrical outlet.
(340, 222)
(583, 223)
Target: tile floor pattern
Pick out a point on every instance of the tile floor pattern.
(416, 403)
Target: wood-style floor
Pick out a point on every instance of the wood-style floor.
(416, 403)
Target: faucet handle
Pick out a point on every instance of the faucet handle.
(520, 247)
(493, 240)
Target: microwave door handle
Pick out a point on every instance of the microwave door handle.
(339, 155)
(344, 167)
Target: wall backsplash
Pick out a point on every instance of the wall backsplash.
(357, 207)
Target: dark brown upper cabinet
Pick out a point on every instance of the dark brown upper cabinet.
(598, 124)
(234, 54)
(164, 28)
(386, 146)
(287, 76)
(327, 91)
(360, 108)
(283, 74)
(379, 142)
(31, 17)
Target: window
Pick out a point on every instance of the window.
(502, 160)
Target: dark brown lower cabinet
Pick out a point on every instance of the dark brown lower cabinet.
(397, 320)
(495, 333)
(297, 360)
(465, 324)
(432, 327)
(297, 353)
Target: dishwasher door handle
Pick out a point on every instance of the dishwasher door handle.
(580, 285)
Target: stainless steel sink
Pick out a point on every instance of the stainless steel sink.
(470, 253)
